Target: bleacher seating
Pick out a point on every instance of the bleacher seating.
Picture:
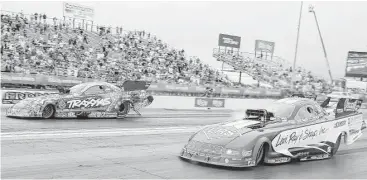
(32, 44)
(277, 73)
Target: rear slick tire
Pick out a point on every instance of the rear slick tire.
(124, 109)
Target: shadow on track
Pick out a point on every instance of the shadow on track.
(293, 162)
(216, 166)
(72, 119)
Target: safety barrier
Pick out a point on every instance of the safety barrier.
(161, 102)
(12, 96)
(38, 79)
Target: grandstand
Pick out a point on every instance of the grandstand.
(276, 73)
(35, 44)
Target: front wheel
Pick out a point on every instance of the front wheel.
(260, 155)
(48, 111)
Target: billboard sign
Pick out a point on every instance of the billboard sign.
(356, 64)
(265, 46)
(78, 11)
(229, 41)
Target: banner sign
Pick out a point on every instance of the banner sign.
(78, 11)
(356, 64)
(364, 106)
(209, 103)
(229, 41)
(14, 96)
(265, 46)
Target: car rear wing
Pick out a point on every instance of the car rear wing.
(135, 85)
(345, 106)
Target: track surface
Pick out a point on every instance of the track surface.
(141, 148)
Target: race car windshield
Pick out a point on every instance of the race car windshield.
(77, 89)
(281, 110)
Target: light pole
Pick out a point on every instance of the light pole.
(311, 10)
(295, 54)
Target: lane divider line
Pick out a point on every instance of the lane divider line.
(81, 134)
(96, 130)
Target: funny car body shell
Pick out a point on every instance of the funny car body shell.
(94, 99)
(270, 139)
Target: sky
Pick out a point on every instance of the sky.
(195, 26)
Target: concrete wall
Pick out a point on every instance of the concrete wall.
(174, 102)
(181, 102)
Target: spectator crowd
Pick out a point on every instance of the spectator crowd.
(33, 45)
(37, 44)
(276, 73)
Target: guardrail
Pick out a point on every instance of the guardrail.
(160, 102)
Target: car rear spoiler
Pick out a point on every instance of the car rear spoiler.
(259, 113)
(345, 106)
(135, 85)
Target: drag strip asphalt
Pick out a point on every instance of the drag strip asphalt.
(149, 118)
(143, 148)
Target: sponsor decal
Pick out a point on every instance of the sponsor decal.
(208, 102)
(302, 154)
(354, 131)
(251, 163)
(340, 123)
(218, 132)
(102, 114)
(201, 102)
(300, 135)
(320, 156)
(307, 136)
(353, 119)
(65, 115)
(279, 160)
(12, 97)
(61, 104)
(88, 103)
(218, 103)
(70, 114)
(352, 105)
